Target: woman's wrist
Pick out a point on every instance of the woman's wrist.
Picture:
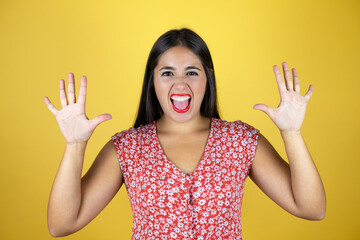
(76, 146)
(290, 133)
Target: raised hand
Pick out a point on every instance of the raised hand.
(72, 120)
(290, 113)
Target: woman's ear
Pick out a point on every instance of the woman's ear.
(211, 70)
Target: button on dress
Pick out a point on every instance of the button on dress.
(169, 204)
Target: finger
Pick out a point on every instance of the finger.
(279, 80)
(264, 108)
(296, 80)
(288, 79)
(63, 99)
(82, 91)
(50, 106)
(308, 94)
(99, 119)
(71, 88)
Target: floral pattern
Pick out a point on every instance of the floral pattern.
(169, 204)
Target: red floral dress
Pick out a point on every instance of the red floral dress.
(169, 204)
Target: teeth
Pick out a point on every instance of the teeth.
(180, 98)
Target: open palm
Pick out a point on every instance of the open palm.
(72, 120)
(290, 113)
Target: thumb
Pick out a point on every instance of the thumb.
(99, 119)
(264, 108)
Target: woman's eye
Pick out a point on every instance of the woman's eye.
(192, 73)
(167, 74)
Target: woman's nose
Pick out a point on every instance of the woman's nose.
(180, 83)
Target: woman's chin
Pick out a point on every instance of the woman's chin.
(180, 117)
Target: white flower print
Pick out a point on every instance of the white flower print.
(167, 204)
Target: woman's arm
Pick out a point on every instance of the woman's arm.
(297, 186)
(73, 201)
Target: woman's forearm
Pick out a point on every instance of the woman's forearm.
(65, 196)
(307, 187)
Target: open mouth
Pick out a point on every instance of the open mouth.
(180, 102)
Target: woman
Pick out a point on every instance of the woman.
(184, 168)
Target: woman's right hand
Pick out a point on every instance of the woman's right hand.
(72, 120)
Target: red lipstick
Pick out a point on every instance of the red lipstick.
(180, 100)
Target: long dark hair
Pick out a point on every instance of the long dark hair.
(149, 107)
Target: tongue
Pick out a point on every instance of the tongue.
(181, 104)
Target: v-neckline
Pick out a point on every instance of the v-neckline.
(204, 155)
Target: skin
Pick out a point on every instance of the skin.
(297, 186)
(179, 71)
(74, 200)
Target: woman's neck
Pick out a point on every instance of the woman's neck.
(167, 125)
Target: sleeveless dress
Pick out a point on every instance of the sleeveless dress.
(169, 204)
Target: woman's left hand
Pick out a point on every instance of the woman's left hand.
(290, 113)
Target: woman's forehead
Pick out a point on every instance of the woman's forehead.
(178, 56)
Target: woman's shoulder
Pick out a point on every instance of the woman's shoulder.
(235, 125)
(236, 130)
(134, 133)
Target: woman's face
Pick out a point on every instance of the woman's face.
(180, 83)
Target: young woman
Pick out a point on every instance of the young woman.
(183, 167)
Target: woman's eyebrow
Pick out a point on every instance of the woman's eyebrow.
(172, 68)
(192, 67)
(166, 68)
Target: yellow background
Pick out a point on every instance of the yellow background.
(109, 41)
